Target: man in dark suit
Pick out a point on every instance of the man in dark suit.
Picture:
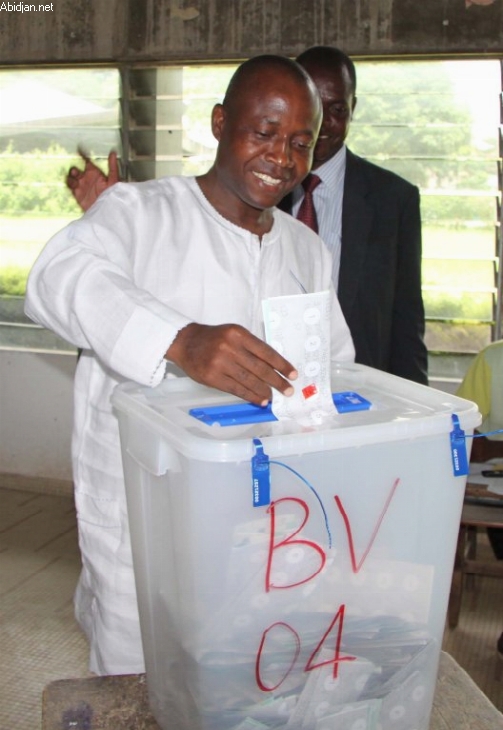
(367, 216)
(370, 219)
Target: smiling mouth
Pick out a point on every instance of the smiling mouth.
(268, 180)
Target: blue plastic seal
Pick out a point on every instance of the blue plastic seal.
(458, 448)
(239, 414)
(261, 478)
(233, 414)
(348, 401)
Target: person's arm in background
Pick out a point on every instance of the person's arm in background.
(87, 185)
(409, 356)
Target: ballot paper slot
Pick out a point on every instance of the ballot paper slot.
(244, 413)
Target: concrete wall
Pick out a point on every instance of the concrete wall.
(170, 30)
(36, 397)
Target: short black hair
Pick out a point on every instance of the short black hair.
(265, 62)
(330, 57)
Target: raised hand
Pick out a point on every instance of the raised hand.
(230, 358)
(87, 185)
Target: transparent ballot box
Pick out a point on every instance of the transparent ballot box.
(293, 577)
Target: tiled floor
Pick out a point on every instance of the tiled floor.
(473, 642)
(40, 641)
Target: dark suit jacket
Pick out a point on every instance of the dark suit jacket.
(380, 272)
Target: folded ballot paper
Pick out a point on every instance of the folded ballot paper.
(298, 327)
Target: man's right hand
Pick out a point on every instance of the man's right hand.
(87, 185)
(230, 358)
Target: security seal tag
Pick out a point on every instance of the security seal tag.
(458, 448)
(261, 480)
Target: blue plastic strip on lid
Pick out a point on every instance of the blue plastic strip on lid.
(239, 414)
(233, 414)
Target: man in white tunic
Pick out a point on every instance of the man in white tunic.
(169, 275)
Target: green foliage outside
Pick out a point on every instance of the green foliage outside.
(33, 184)
(33, 193)
(34, 201)
(459, 307)
(412, 111)
(21, 240)
(456, 213)
(13, 281)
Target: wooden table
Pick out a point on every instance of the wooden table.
(481, 509)
(121, 703)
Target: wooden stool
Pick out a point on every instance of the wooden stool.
(121, 703)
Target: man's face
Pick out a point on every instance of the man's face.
(266, 142)
(338, 102)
